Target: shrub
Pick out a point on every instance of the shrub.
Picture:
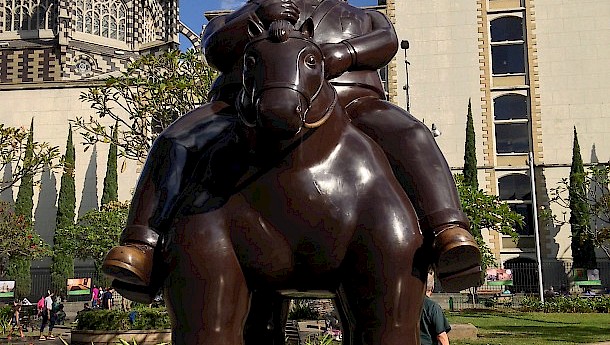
(115, 320)
(6, 313)
(302, 310)
(563, 304)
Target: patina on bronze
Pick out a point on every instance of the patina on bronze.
(210, 171)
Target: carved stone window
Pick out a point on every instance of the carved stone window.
(105, 18)
(23, 15)
(153, 21)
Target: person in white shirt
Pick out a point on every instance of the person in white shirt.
(47, 317)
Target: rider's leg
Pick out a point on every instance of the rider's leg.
(206, 295)
(383, 284)
(423, 173)
(186, 144)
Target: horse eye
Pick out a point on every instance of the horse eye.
(310, 61)
(249, 61)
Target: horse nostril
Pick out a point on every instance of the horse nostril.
(299, 109)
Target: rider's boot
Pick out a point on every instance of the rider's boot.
(132, 261)
(457, 257)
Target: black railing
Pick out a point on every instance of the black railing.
(41, 282)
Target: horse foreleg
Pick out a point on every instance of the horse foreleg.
(383, 286)
(206, 291)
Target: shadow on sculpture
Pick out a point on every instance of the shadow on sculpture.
(293, 193)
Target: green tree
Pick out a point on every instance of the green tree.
(470, 152)
(19, 266)
(151, 94)
(111, 183)
(486, 212)
(24, 156)
(596, 195)
(19, 241)
(62, 267)
(583, 252)
(95, 233)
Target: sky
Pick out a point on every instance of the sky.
(191, 12)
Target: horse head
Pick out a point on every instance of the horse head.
(284, 89)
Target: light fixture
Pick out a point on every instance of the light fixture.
(435, 131)
(404, 45)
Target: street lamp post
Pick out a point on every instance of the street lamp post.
(404, 45)
(536, 228)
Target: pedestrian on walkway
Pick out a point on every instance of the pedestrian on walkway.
(47, 317)
(15, 322)
(434, 326)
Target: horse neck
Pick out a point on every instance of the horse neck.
(317, 143)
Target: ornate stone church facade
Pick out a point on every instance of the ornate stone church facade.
(63, 40)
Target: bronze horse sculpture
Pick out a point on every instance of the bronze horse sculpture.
(319, 209)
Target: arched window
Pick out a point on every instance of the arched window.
(511, 120)
(515, 189)
(153, 21)
(23, 15)
(507, 45)
(105, 18)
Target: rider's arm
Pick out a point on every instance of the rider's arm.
(370, 51)
(225, 37)
(376, 48)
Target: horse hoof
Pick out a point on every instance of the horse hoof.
(130, 263)
(458, 264)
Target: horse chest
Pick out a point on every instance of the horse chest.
(303, 202)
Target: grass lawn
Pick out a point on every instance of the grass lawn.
(516, 328)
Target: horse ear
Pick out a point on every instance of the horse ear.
(254, 28)
(307, 28)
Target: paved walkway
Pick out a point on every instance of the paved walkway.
(31, 338)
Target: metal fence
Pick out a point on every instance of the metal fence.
(556, 274)
(41, 282)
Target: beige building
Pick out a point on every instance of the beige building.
(534, 70)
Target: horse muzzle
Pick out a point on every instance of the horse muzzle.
(281, 110)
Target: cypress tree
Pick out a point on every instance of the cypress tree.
(470, 153)
(19, 269)
(111, 184)
(62, 267)
(583, 250)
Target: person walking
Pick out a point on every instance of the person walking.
(434, 326)
(95, 297)
(47, 317)
(15, 323)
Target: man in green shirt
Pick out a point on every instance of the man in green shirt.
(434, 326)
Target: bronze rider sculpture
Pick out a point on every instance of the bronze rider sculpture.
(355, 43)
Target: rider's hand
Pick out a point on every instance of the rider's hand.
(337, 59)
(272, 10)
